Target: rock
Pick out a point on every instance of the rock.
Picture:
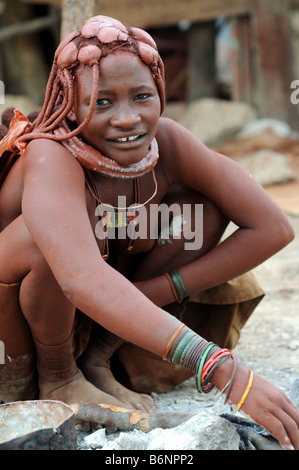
(175, 110)
(96, 440)
(135, 440)
(257, 127)
(204, 431)
(215, 121)
(267, 167)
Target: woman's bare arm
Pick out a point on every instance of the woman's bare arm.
(262, 227)
(55, 213)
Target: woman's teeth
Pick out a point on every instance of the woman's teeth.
(127, 139)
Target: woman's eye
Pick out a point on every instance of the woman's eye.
(102, 102)
(142, 96)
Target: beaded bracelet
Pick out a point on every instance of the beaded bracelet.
(177, 286)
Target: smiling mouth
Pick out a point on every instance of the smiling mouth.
(128, 139)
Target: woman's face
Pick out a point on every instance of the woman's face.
(127, 111)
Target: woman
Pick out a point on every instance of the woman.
(58, 213)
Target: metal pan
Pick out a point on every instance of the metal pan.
(37, 425)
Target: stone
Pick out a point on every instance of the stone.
(267, 167)
(204, 431)
(258, 126)
(215, 121)
(96, 440)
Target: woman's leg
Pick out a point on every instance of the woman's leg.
(50, 318)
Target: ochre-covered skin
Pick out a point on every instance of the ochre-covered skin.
(48, 222)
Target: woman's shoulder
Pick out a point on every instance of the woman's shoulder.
(174, 134)
(45, 152)
(46, 146)
(168, 126)
(168, 133)
(175, 141)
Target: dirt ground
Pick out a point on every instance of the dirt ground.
(269, 342)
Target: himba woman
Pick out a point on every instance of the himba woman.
(88, 277)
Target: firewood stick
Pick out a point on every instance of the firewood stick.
(114, 418)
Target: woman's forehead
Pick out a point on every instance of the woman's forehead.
(115, 67)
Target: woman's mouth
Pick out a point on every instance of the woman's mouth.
(131, 138)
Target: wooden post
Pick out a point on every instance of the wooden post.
(74, 13)
(272, 59)
(201, 56)
(241, 66)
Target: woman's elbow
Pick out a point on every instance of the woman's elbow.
(72, 286)
(285, 233)
(81, 288)
(68, 290)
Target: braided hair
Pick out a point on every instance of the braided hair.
(98, 37)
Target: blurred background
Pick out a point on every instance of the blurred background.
(231, 70)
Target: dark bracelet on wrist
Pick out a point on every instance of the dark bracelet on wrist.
(177, 286)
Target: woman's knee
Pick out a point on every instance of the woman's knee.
(19, 254)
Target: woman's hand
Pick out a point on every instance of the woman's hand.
(266, 404)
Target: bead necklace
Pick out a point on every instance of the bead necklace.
(118, 221)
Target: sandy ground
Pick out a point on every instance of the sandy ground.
(270, 341)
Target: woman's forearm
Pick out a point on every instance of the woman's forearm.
(239, 253)
(242, 251)
(115, 303)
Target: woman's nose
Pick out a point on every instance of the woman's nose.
(125, 117)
